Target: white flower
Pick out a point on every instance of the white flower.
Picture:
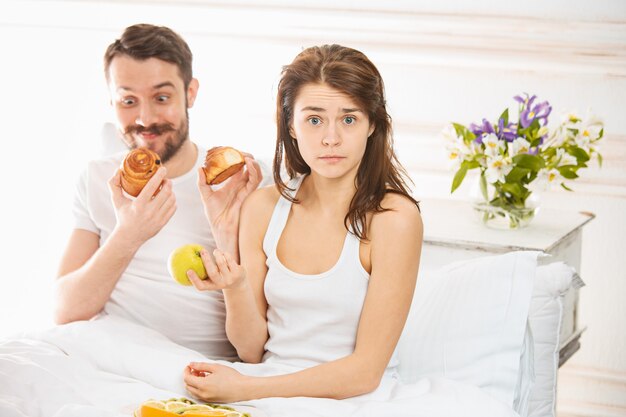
(588, 132)
(456, 148)
(570, 119)
(563, 158)
(457, 152)
(498, 166)
(449, 134)
(518, 146)
(558, 138)
(493, 145)
(546, 178)
(455, 156)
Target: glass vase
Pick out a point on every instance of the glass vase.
(496, 210)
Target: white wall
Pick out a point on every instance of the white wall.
(455, 60)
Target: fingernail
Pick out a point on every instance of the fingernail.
(189, 273)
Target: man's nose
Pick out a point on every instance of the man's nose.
(147, 115)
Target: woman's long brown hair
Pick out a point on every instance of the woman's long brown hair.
(352, 73)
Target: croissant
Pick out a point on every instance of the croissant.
(137, 168)
(221, 163)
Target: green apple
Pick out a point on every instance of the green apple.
(183, 259)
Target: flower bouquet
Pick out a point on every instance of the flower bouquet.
(519, 157)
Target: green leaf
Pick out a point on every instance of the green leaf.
(568, 171)
(531, 162)
(464, 132)
(505, 117)
(483, 186)
(513, 189)
(578, 153)
(600, 160)
(459, 176)
(535, 142)
(517, 174)
(534, 126)
(566, 187)
(473, 164)
(549, 152)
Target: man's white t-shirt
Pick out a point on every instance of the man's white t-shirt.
(145, 293)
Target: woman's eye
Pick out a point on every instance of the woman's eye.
(349, 120)
(315, 121)
(162, 98)
(128, 101)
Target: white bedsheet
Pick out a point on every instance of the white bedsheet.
(107, 367)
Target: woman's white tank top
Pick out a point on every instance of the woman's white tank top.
(312, 319)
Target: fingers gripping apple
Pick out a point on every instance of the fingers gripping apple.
(183, 259)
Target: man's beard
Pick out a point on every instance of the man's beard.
(172, 144)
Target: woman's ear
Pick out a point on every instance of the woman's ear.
(192, 92)
(372, 129)
(292, 133)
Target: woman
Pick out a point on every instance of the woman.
(329, 259)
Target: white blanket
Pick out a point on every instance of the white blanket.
(107, 367)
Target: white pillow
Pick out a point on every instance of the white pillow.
(467, 323)
(545, 319)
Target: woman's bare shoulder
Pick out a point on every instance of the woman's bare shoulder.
(260, 203)
(399, 202)
(400, 213)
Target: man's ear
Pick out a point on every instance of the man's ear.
(192, 92)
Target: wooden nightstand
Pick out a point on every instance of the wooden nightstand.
(452, 231)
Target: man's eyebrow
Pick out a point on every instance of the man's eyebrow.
(164, 84)
(155, 87)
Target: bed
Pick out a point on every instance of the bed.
(481, 334)
(482, 339)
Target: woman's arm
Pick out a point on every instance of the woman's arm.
(246, 324)
(396, 241)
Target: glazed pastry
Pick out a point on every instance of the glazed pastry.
(222, 162)
(137, 168)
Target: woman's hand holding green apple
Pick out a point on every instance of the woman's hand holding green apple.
(193, 265)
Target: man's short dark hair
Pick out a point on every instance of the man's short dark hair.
(144, 41)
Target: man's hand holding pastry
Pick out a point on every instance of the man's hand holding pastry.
(223, 205)
(140, 218)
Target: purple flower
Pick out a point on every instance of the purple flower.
(539, 112)
(481, 130)
(508, 132)
(525, 101)
(530, 112)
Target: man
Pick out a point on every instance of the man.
(116, 260)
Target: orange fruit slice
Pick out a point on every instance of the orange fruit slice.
(149, 410)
